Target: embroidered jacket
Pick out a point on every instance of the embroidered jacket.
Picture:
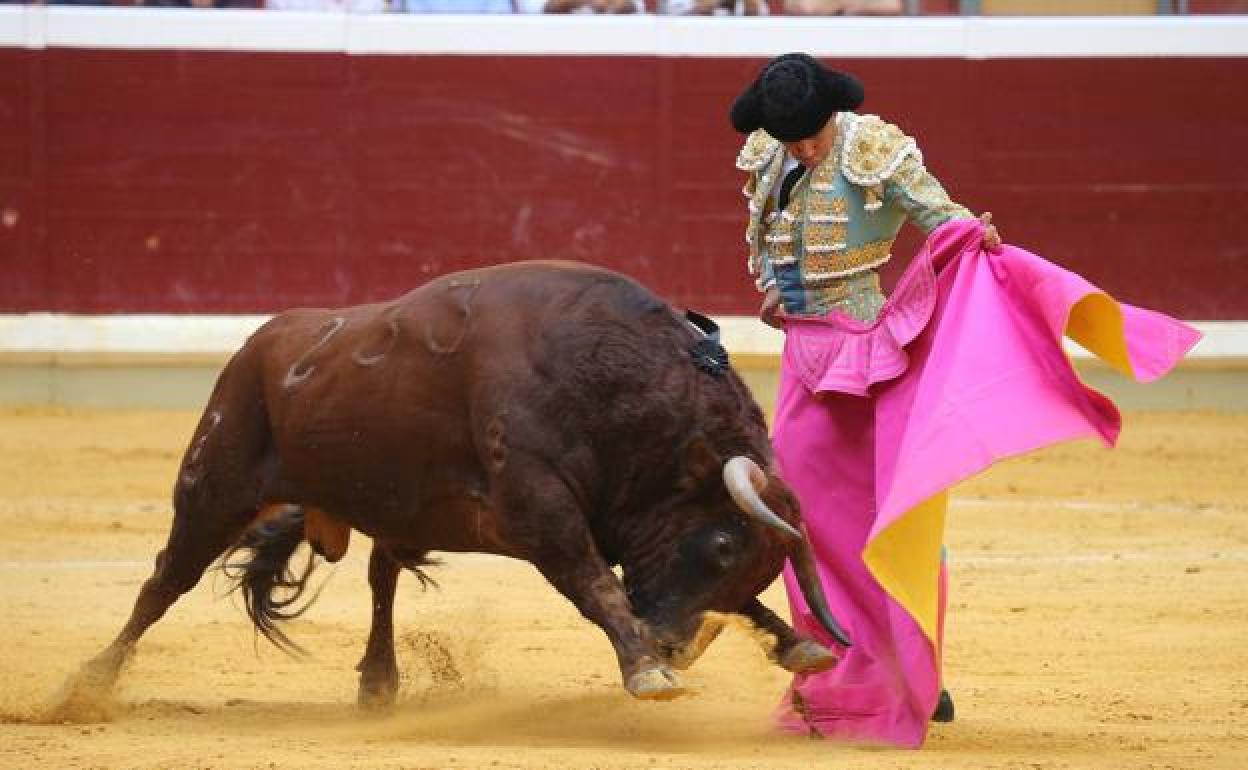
(841, 218)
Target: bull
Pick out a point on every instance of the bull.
(551, 412)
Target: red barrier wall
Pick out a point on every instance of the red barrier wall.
(179, 181)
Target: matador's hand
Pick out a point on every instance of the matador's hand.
(992, 239)
(771, 313)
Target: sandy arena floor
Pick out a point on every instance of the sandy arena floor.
(1099, 619)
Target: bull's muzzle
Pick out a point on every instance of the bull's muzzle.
(682, 654)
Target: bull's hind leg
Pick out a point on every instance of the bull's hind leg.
(195, 541)
(216, 497)
(379, 671)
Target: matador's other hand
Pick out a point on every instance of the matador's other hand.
(770, 312)
(992, 239)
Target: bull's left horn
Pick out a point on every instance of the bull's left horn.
(744, 478)
(803, 562)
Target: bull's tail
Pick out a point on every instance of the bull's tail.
(259, 566)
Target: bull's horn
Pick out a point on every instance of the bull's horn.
(812, 590)
(744, 479)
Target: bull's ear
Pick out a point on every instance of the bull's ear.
(701, 463)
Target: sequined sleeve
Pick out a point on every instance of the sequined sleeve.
(921, 196)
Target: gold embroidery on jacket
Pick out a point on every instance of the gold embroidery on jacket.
(837, 264)
(858, 296)
(824, 238)
(823, 208)
(874, 149)
(928, 205)
(759, 148)
(760, 187)
(781, 242)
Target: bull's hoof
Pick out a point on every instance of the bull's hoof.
(376, 698)
(658, 683)
(379, 687)
(84, 698)
(682, 657)
(808, 657)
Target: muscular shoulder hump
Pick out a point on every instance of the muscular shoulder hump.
(874, 149)
(759, 148)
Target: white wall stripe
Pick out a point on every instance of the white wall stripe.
(36, 26)
(190, 29)
(163, 334)
(503, 35)
(843, 37)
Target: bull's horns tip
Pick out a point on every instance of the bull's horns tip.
(812, 590)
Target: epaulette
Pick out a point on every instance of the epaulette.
(874, 149)
(758, 150)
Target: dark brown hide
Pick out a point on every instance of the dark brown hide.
(545, 411)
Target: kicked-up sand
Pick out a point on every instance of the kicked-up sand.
(1098, 619)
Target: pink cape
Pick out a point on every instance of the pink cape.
(874, 423)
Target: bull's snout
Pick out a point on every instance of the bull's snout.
(682, 649)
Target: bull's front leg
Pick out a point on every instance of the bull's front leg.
(547, 526)
(586, 580)
(792, 652)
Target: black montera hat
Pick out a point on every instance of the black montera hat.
(793, 97)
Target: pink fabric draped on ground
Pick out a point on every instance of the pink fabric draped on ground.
(874, 422)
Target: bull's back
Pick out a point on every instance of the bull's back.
(385, 405)
(427, 344)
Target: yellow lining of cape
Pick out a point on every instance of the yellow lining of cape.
(905, 557)
(1095, 322)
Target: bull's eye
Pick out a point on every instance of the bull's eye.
(723, 550)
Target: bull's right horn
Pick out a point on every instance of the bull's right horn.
(744, 478)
